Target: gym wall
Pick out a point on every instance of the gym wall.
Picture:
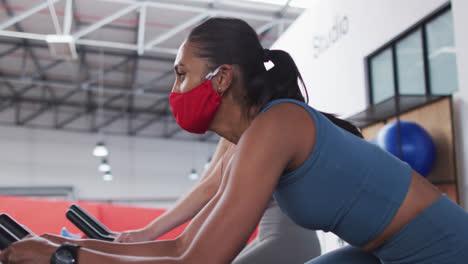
(436, 119)
(460, 98)
(152, 172)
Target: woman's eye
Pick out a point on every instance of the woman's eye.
(180, 74)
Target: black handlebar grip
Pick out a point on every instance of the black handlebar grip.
(6, 238)
(16, 229)
(84, 226)
(91, 220)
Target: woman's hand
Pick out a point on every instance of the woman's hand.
(133, 236)
(30, 250)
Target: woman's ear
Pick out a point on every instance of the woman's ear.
(223, 80)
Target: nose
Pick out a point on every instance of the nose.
(175, 88)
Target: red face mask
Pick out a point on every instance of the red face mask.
(195, 110)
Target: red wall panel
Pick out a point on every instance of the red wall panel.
(48, 216)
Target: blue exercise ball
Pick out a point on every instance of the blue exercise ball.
(417, 147)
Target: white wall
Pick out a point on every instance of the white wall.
(142, 168)
(336, 78)
(461, 97)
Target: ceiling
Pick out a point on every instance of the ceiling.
(105, 66)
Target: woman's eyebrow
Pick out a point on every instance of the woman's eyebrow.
(176, 67)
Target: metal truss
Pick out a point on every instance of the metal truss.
(122, 102)
(36, 96)
(140, 118)
(63, 33)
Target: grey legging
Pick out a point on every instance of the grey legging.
(280, 241)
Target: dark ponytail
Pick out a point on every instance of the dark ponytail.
(233, 41)
(343, 124)
(285, 75)
(281, 81)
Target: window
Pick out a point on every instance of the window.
(410, 65)
(441, 54)
(421, 61)
(382, 77)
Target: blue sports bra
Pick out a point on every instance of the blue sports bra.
(347, 185)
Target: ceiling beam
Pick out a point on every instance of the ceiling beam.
(108, 70)
(47, 106)
(63, 123)
(106, 20)
(194, 9)
(53, 16)
(68, 17)
(109, 121)
(140, 46)
(173, 132)
(141, 30)
(73, 85)
(15, 19)
(19, 29)
(11, 100)
(47, 68)
(146, 57)
(10, 50)
(146, 87)
(176, 30)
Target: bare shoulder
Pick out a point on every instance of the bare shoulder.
(287, 117)
(286, 129)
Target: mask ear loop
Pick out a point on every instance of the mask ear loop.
(212, 74)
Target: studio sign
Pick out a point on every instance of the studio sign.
(321, 42)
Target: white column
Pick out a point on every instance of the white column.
(459, 8)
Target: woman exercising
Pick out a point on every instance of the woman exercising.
(321, 176)
(279, 240)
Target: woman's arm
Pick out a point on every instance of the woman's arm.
(189, 204)
(171, 248)
(95, 251)
(37, 250)
(167, 251)
(174, 247)
(167, 247)
(192, 202)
